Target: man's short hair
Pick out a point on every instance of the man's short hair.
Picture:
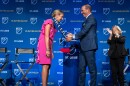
(87, 6)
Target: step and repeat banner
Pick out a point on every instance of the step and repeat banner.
(20, 26)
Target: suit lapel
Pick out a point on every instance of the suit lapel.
(84, 23)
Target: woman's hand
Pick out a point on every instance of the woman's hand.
(52, 55)
(117, 35)
(48, 53)
(109, 31)
(47, 34)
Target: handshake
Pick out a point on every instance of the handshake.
(69, 37)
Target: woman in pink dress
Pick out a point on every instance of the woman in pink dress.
(45, 55)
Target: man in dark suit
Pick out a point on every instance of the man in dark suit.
(88, 43)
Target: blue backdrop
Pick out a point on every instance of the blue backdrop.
(20, 26)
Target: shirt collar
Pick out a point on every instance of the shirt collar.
(88, 15)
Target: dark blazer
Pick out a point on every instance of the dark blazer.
(117, 43)
(88, 35)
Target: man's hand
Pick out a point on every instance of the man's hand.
(48, 53)
(69, 37)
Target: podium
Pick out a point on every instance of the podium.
(70, 64)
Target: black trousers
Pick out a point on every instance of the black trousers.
(117, 67)
(87, 59)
